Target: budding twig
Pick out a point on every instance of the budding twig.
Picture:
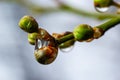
(98, 30)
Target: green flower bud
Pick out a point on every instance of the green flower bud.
(32, 38)
(46, 55)
(103, 3)
(28, 24)
(83, 32)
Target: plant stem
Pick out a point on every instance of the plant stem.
(67, 44)
(109, 24)
(80, 12)
(105, 26)
(63, 7)
(65, 38)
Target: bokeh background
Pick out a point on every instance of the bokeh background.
(97, 60)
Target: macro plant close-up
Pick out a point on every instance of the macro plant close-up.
(60, 40)
(44, 41)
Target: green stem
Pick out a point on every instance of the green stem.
(109, 24)
(80, 12)
(63, 7)
(105, 26)
(67, 44)
(65, 38)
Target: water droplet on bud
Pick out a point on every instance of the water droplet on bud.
(44, 53)
(67, 49)
(41, 43)
(103, 9)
